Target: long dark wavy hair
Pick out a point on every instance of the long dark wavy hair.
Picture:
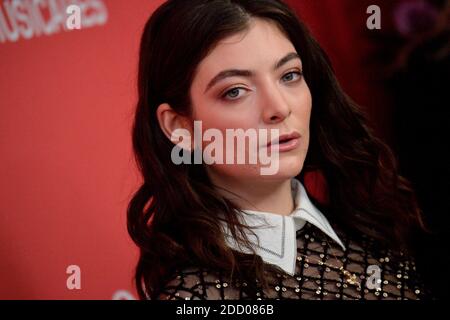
(175, 216)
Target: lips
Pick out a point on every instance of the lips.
(284, 139)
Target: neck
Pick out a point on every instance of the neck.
(274, 196)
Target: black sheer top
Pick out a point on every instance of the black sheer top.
(378, 275)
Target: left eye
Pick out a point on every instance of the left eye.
(290, 76)
(232, 94)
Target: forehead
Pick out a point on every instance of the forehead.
(256, 48)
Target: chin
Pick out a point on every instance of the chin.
(289, 167)
(292, 164)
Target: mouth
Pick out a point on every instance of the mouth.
(290, 139)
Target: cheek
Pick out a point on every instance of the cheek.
(221, 122)
(221, 119)
(221, 116)
(302, 105)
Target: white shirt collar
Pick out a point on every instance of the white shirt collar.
(276, 240)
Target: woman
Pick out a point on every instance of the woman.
(334, 219)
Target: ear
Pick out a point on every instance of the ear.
(174, 126)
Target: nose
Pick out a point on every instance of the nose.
(274, 106)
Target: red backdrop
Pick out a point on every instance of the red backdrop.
(66, 167)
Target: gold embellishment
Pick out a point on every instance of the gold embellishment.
(349, 277)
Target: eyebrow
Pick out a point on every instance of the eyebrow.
(247, 73)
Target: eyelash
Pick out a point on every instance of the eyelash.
(223, 96)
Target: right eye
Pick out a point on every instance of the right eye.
(232, 94)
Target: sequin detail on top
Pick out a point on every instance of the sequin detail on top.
(314, 278)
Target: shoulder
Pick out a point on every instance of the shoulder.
(198, 284)
(390, 272)
(383, 272)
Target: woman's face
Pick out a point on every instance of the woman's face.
(263, 97)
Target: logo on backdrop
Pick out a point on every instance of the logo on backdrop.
(27, 19)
